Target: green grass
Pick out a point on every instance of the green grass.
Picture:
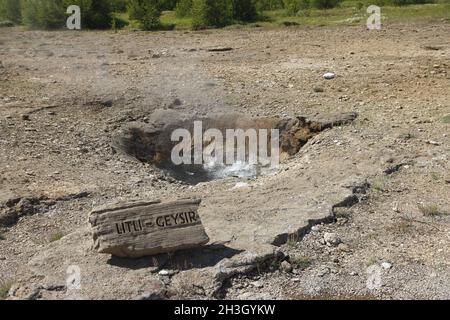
(169, 17)
(446, 119)
(351, 12)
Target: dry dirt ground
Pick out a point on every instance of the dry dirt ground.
(64, 95)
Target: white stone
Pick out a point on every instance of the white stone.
(329, 75)
(331, 239)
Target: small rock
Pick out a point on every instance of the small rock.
(386, 265)
(318, 89)
(258, 284)
(329, 76)
(164, 273)
(286, 267)
(434, 143)
(331, 239)
(323, 271)
(240, 185)
(343, 247)
(108, 103)
(25, 117)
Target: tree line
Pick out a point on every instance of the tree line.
(100, 14)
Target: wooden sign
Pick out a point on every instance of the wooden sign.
(138, 229)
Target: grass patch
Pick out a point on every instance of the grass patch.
(56, 236)
(292, 240)
(170, 18)
(343, 213)
(435, 176)
(378, 186)
(431, 210)
(348, 13)
(401, 227)
(301, 262)
(5, 286)
(446, 119)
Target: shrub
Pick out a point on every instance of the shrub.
(146, 12)
(244, 10)
(49, 14)
(325, 4)
(408, 2)
(268, 4)
(183, 8)
(293, 7)
(167, 4)
(95, 14)
(6, 24)
(10, 10)
(46, 14)
(118, 5)
(211, 13)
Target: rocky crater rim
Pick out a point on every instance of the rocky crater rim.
(151, 142)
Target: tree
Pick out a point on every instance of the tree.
(95, 14)
(147, 12)
(10, 10)
(44, 14)
(183, 8)
(211, 13)
(244, 10)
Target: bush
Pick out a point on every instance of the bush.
(167, 4)
(408, 2)
(146, 12)
(183, 8)
(50, 14)
(118, 5)
(268, 4)
(325, 4)
(293, 7)
(6, 24)
(244, 10)
(211, 13)
(95, 14)
(10, 10)
(45, 14)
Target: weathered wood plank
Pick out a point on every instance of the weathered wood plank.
(137, 229)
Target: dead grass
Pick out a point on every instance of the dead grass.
(401, 227)
(56, 236)
(431, 210)
(5, 285)
(301, 262)
(332, 296)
